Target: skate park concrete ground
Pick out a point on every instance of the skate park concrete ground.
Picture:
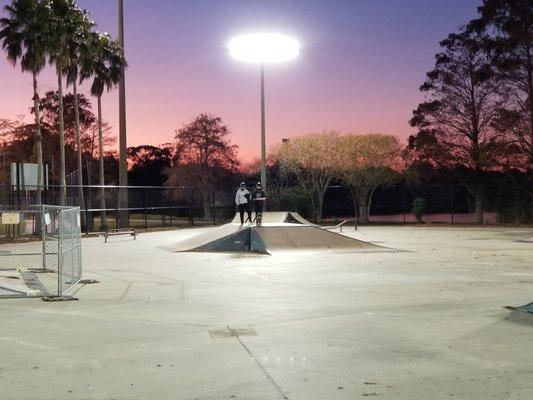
(423, 323)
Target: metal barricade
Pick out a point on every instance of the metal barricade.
(69, 272)
(40, 251)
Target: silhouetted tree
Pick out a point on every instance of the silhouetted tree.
(507, 28)
(24, 35)
(455, 125)
(50, 111)
(67, 26)
(148, 164)
(204, 156)
(88, 125)
(103, 60)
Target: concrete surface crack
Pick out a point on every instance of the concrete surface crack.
(283, 396)
(125, 291)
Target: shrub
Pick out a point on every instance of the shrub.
(419, 208)
(296, 199)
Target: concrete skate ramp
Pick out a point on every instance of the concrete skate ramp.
(528, 308)
(270, 239)
(204, 238)
(277, 217)
(229, 237)
(287, 238)
(296, 218)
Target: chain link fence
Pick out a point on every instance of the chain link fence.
(162, 207)
(40, 251)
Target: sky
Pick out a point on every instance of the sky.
(359, 69)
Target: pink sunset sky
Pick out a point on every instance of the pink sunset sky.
(359, 70)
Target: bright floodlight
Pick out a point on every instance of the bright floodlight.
(264, 48)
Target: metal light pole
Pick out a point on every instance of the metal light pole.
(123, 163)
(263, 138)
(263, 48)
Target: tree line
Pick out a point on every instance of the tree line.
(476, 121)
(475, 126)
(478, 116)
(57, 32)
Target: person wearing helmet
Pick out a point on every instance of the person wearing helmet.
(258, 198)
(242, 198)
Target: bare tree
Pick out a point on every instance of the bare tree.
(313, 160)
(367, 161)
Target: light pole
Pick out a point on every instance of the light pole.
(263, 139)
(263, 48)
(123, 163)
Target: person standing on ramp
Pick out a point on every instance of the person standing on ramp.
(242, 198)
(258, 198)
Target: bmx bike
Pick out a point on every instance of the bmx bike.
(258, 202)
(258, 217)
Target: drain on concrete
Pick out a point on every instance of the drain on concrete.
(232, 332)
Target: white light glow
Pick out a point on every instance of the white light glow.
(264, 48)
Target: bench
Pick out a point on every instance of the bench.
(120, 231)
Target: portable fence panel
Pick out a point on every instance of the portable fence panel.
(70, 250)
(23, 255)
(40, 251)
(50, 240)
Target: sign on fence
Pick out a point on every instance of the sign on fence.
(24, 176)
(11, 218)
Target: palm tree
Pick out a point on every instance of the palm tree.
(67, 23)
(103, 60)
(77, 43)
(24, 36)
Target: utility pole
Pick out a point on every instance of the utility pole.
(123, 163)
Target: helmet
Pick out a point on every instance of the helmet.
(258, 185)
(242, 185)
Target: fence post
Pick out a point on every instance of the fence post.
(116, 207)
(191, 210)
(453, 201)
(214, 208)
(84, 194)
(403, 203)
(145, 211)
(43, 237)
(60, 256)
(170, 209)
